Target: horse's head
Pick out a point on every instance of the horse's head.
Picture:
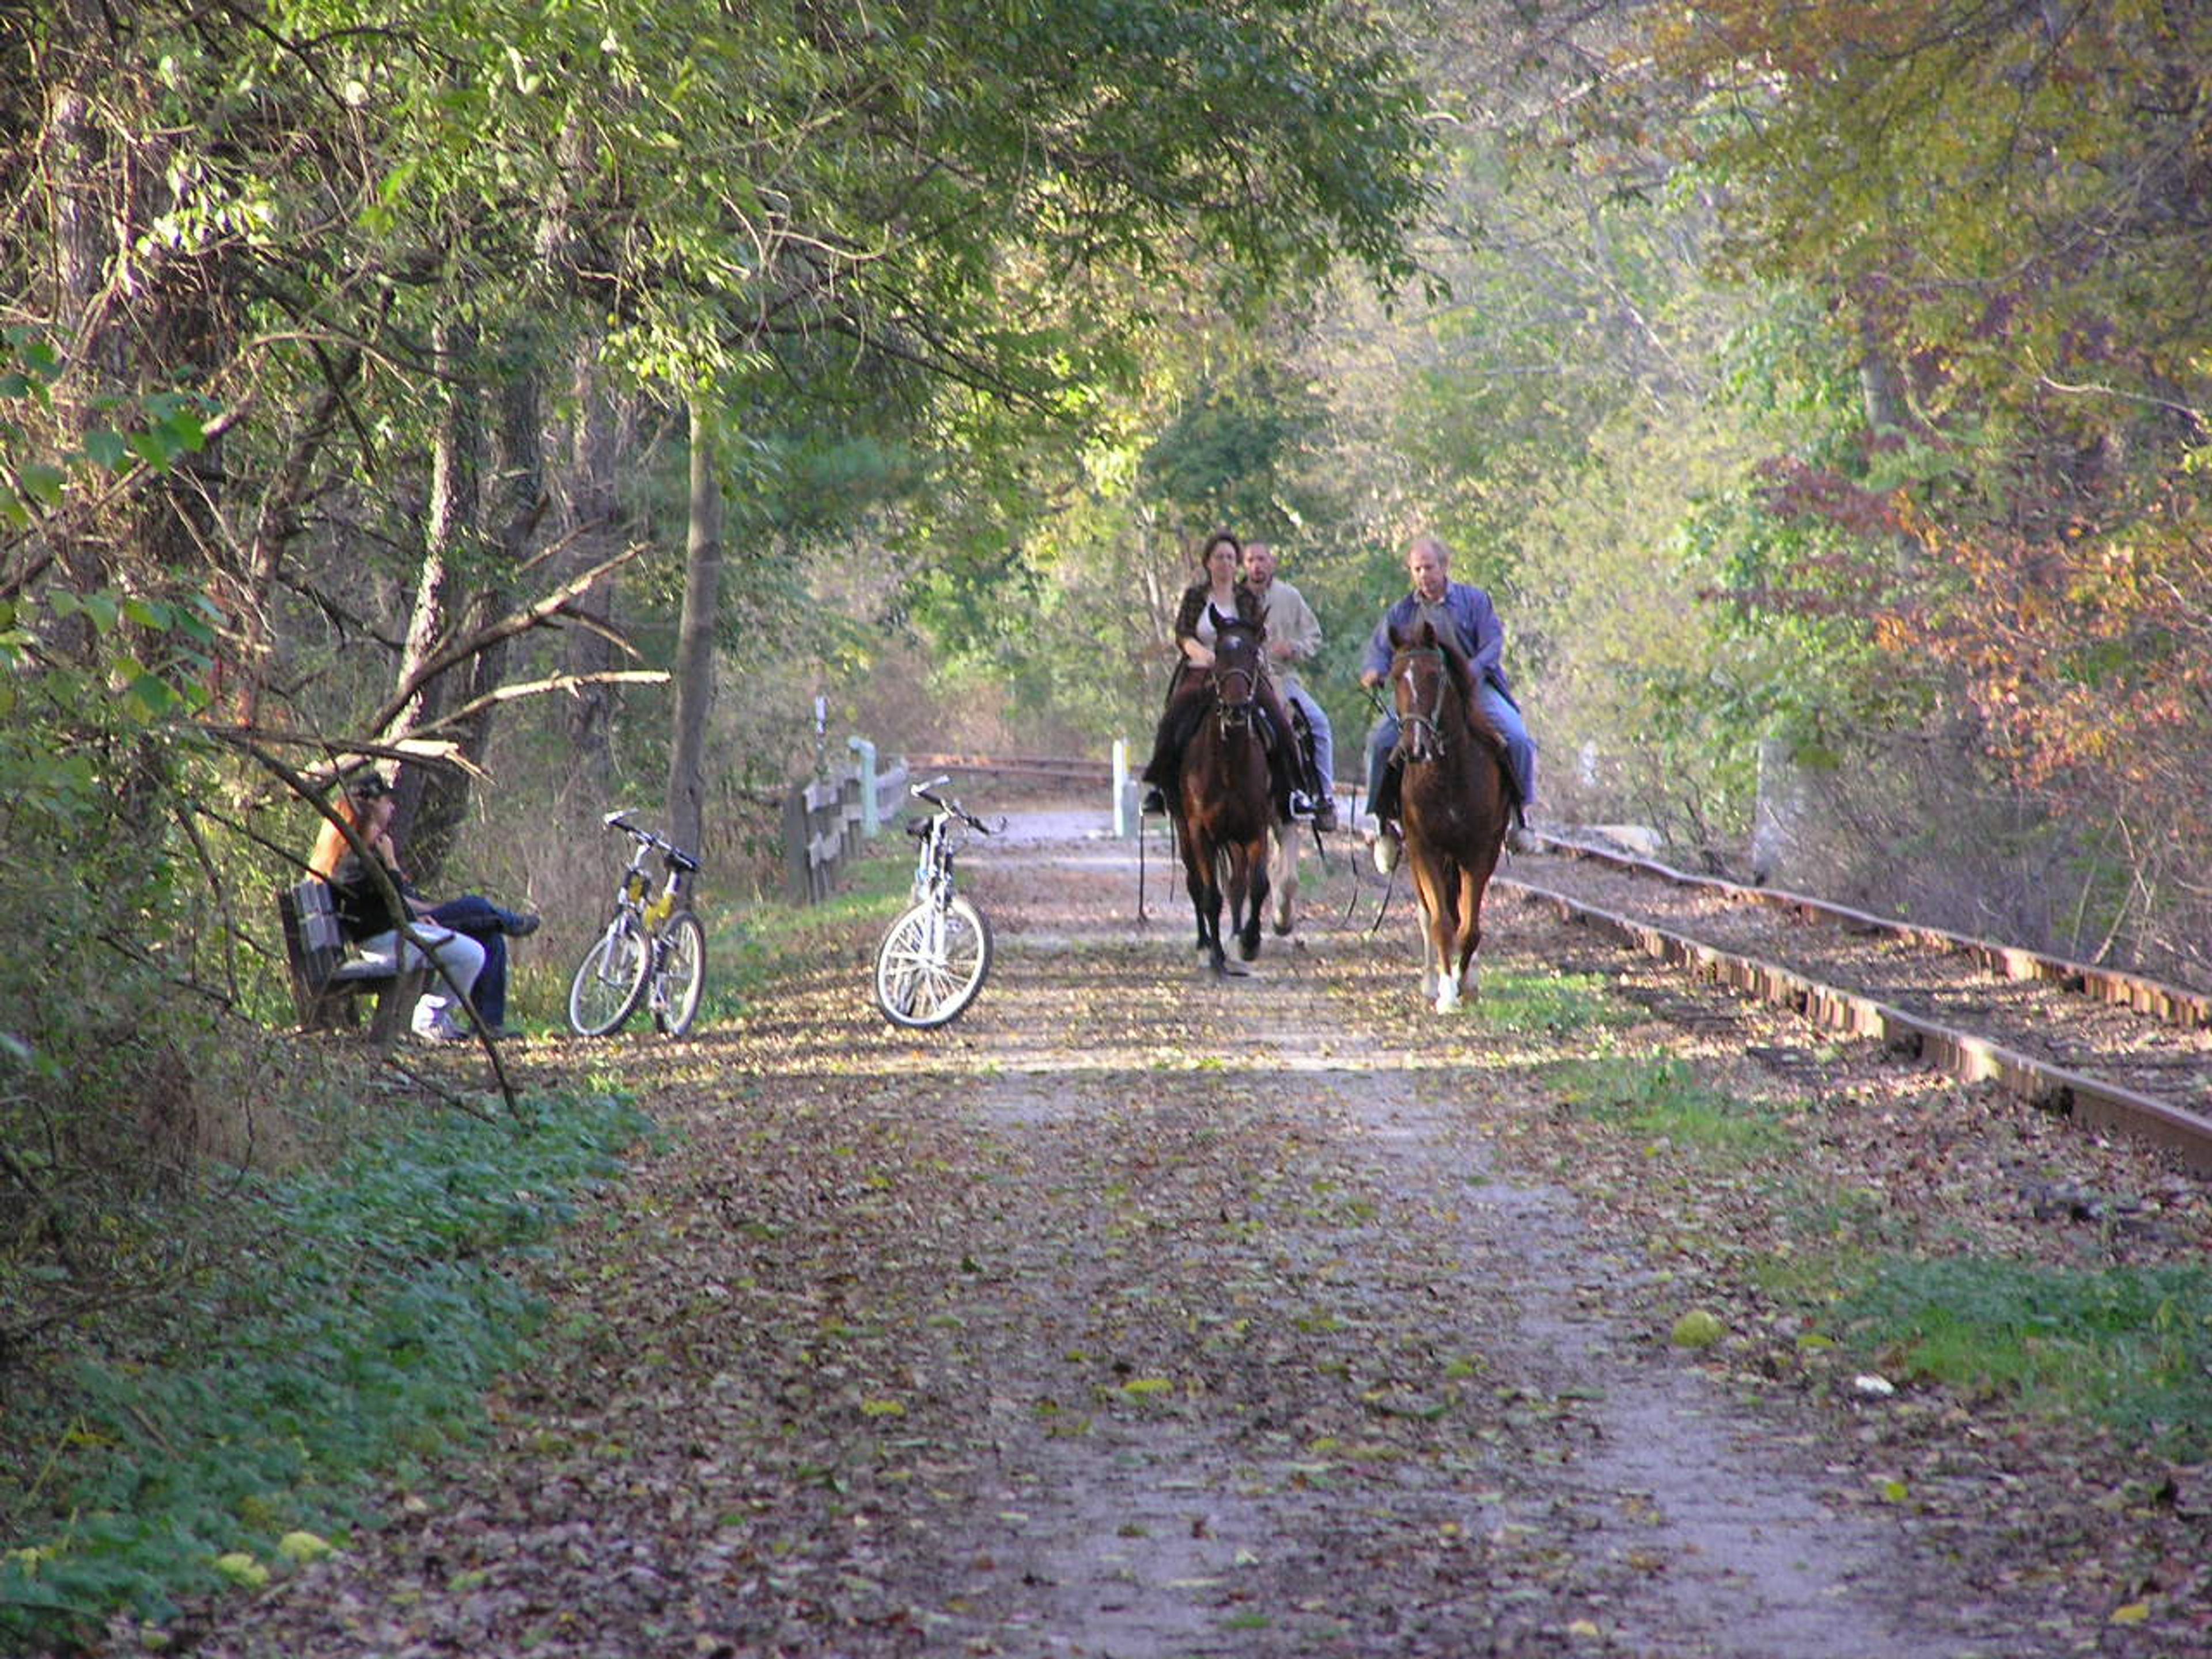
(1426, 675)
(1237, 661)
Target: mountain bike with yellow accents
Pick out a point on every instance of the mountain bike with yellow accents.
(653, 951)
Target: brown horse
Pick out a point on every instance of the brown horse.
(1225, 802)
(1455, 805)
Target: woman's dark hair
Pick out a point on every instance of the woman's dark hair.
(1205, 551)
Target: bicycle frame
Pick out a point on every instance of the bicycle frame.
(935, 954)
(932, 869)
(626, 967)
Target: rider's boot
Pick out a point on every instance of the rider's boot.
(1521, 838)
(1384, 808)
(1320, 801)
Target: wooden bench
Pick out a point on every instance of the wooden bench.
(328, 974)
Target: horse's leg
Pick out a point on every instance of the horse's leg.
(1442, 890)
(1424, 903)
(1253, 902)
(1471, 885)
(1211, 921)
(1236, 885)
(1195, 862)
(1283, 875)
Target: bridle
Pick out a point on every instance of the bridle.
(1420, 731)
(1234, 712)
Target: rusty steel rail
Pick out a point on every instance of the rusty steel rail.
(1959, 1053)
(2176, 1005)
(1017, 766)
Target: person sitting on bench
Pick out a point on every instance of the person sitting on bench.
(367, 806)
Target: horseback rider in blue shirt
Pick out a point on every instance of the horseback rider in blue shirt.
(1463, 614)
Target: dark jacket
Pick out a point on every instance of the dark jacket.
(359, 898)
(1194, 606)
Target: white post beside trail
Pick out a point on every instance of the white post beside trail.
(871, 820)
(1122, 787)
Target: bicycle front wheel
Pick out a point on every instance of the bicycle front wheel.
(682, 975)
(610, 980)
(932, 962)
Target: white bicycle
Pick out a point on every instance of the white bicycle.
(935, 955)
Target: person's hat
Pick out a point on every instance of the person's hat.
(368, 787)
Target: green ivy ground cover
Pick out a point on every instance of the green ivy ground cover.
(353, 1339)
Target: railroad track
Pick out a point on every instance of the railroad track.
(2111, 1050)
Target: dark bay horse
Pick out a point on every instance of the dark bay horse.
(1225, 803)
(1455, 805)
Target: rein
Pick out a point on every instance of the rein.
(1414, 721)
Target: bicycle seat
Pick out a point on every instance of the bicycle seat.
(918, 828)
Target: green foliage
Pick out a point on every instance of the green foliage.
(1231, 456)
(155, 430)
(2131, 1347)
(111, 1071)
(1664, 1100)
(352, 1340)
(1554, 1002)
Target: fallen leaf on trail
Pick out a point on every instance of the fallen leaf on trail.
(1697, 1328)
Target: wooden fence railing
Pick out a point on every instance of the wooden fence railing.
(825, 820)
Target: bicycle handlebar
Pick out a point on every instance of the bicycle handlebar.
(619, 819)
(943, 804)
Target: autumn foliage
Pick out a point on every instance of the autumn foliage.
(2006, 214)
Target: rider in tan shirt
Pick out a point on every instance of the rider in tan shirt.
(1294, 637)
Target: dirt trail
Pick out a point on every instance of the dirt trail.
(1138, 1315)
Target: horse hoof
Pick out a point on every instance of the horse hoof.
(1231, 968)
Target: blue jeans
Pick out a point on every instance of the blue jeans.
(486, 923)
(1504, 717)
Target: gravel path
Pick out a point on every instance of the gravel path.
(1144, 1314)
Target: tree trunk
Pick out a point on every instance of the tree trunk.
(596, 511)
(275, 525)
(431, 803)
(83, 211)
(695, 645)
(518, 503)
